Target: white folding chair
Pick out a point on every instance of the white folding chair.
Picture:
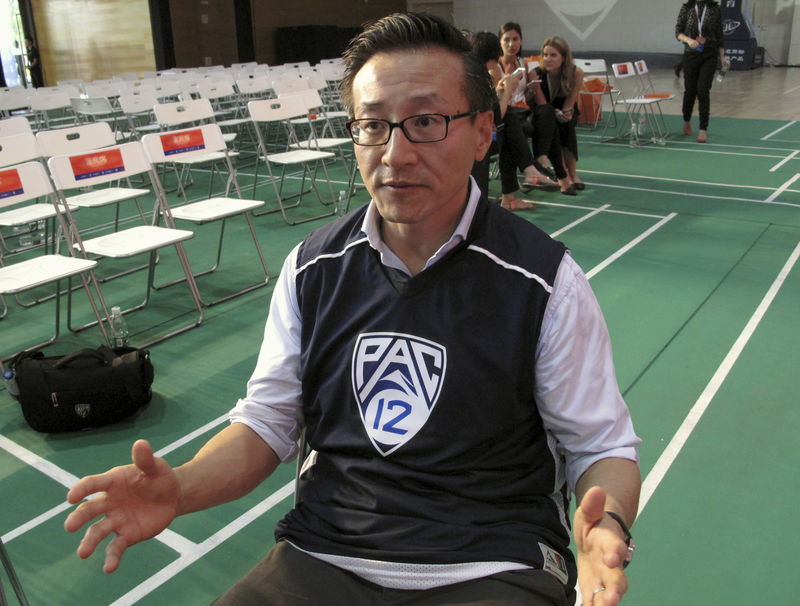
(20, 184)
(51, 108)
(84, 138)
(14, 125)
(138, 111)
(639, 124)
(648, 90)
(99, 109)
(597, 68)
(281, 111)
(122, 161)
(193, 112)
(163, 147)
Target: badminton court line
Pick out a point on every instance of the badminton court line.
(678, 441)
(776, 131)
(782, 188)
(201, 549)
(609, 260)
(66, 479)
(699, 148)
(784, 161)
(576, 222)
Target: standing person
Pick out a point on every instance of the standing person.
(561, 84)
(34, 63)
(699, 27)
(447, 435)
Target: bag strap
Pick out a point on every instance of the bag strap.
(82, 354)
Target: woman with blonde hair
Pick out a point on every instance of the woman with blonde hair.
(561, 84)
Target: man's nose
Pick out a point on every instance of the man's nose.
(398, 149)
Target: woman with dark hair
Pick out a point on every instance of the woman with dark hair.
(561, 83)
(699, 27)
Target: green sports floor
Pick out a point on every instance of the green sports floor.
(693, 253)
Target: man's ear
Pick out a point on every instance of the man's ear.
(484, 122)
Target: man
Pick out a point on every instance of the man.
(452, 369)
(34, 63)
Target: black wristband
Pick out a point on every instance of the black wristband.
(628, 536)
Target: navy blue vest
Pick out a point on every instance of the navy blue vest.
(417, 396)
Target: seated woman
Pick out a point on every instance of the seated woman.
(560, 83)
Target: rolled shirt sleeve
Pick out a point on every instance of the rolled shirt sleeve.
(271, 407)
(576, 388)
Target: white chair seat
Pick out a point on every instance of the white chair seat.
(299, 156)
(29, 214)
(322, 143)
(214, 209)
(136, 240)
(200, 159)
(109, 195)
(40, 271)
(232, 122)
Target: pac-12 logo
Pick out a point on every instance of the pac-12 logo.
(397, 379)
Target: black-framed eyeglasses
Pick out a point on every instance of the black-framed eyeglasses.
(419, 128)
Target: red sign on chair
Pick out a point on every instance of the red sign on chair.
(180, 143)
(97, 164)
(10, 183)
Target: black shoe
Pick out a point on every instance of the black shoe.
(579, 186)
(570, 191)
(547, 171)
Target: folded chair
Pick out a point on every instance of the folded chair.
(282, 111)
(164, 147)
(19, 185)
(595, 92)
(648, 90)
(122, 161)
(14, 126)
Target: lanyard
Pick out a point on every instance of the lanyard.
(700, 19)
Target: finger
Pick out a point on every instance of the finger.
(142, 456)
(592, 505)
(114, 552)
(86, 511)
(94, 535)
(88, 486)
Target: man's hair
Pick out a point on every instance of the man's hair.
(485, 46)
(416, 32)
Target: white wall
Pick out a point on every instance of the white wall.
(619, 25)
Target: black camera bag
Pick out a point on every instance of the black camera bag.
(87, 388)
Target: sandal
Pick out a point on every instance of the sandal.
(538, 181)
(516, 204)
(547, 171)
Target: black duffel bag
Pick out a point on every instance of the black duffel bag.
(87, 388)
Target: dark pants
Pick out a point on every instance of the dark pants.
(545, 135)
(698, 74)
(515, 151)
(288, 577)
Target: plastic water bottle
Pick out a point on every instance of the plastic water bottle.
(723, 71)
(11, 383)
(341, 204)
(119, 329)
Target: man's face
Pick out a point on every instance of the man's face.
(413, 183)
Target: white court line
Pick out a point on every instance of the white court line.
(681, 436)
(52, 471)
(609, 210)
(693, 195)
(596, 211)
(676, 180)
(791, 90)
(201, 549)
(784, 161)
(609, 260)
(704, 148)
(776, 131)
(168, 537)
(782, 188)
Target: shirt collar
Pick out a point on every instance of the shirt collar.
(371, 227)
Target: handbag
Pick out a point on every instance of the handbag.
(84, 389)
